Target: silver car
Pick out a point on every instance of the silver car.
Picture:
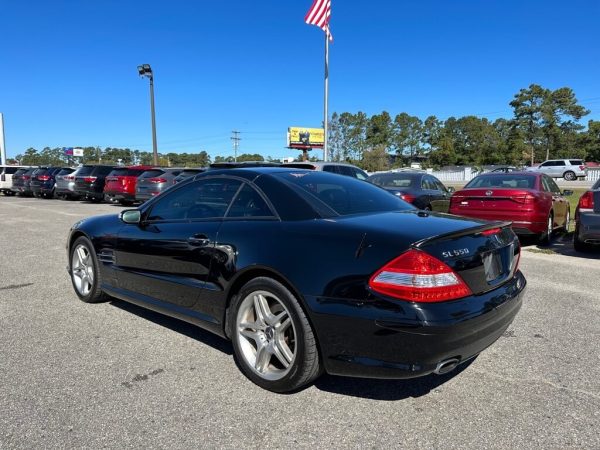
(65, 185)
(569, 169)
(587, 220)
(152, 182)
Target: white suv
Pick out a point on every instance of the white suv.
(569, 169)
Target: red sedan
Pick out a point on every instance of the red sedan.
(532, 201)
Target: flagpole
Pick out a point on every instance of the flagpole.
(326, 99)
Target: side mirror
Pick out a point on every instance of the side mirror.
(451, 189)
(567, 192)
(133, 216)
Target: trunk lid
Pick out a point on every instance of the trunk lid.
(484, 254)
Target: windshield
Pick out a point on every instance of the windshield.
(344, 195)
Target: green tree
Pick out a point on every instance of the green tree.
(376, 159)
(408, 136)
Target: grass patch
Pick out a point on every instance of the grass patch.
(545, 251)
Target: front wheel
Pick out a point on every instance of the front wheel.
(273, 342)
(569, 176)
(85, 275)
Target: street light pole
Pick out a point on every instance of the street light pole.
(146, 71)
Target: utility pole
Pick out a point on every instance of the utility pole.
(2, 146)
(236, 143)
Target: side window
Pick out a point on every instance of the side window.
(545, 184)
(428, 184)
(559, 163)
(438, 185)
(553, 186)
(546, 164)
(249, 203)
(204, 199)
(332, 169)
(360, 174)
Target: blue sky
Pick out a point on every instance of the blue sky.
(68, 68)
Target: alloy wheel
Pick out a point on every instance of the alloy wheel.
(82, 270)
(266, 334)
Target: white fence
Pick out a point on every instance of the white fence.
(467, 174)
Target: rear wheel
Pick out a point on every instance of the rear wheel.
(273, 342)
(567, 221)
(578, 244)
(569, 176)
(546, 237)
(85, 275)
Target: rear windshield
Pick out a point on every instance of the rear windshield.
(102, 170)
(300, 166)
(43, 172)
(576, 162)
(11, 170)
(85, 170)
(65, 172)
(392, 181)
(152, 173)
(20, 172)
(125, 172)
(190, 172)
(344, 195)
(508, 181)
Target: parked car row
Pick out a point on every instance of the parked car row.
(530, 200)
(123, 184)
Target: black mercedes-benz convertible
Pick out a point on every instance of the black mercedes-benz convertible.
(307, 272)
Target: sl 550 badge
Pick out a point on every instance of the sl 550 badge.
(456, 252)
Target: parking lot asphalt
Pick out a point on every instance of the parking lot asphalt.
(114, 375)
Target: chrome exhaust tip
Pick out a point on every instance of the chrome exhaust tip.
(446, 366)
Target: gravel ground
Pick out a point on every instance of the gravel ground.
(114, 375)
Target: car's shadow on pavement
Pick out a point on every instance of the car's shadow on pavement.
(389, 390)
(562, 244)
(179, 326)
(374, 389)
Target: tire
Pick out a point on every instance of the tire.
(85, 276)
(427, 208)
(569, 176)
(546, 237)
(579, 245)
(279, 330)
(567, 220)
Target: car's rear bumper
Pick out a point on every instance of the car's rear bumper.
(384, 338)
(588, 227)
(119, 195)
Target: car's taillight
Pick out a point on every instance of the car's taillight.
(520, 198)
(68, 177)
(406, 197)
(581, 167)
(157, 180)
(26, 177)
(586, 201)
(491, 231)
(416, 276)
(89, 179)
(44, 177)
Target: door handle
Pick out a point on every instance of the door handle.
(199, 240)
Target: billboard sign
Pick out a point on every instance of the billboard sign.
(77, 152)
(301, 137)
(70, 151)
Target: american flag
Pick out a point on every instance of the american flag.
(319, 14)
